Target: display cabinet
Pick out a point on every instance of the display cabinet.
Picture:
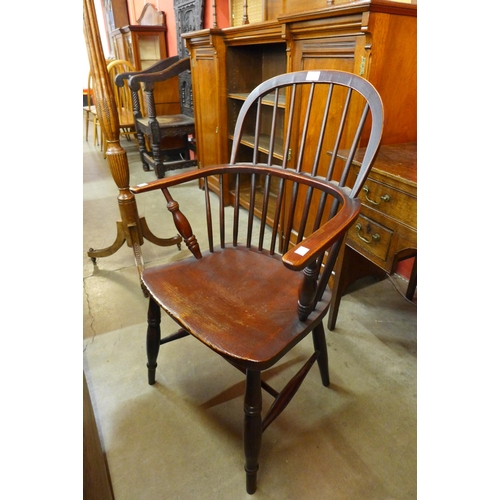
(143, 46)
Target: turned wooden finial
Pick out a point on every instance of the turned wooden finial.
(214, 14)
(245, 12)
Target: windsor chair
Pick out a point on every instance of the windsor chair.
(262, 284)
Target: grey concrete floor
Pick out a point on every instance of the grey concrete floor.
(181, 438)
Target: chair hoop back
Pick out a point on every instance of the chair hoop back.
(314, 79)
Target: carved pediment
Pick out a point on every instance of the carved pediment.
(151, 17)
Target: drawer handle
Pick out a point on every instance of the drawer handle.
(384, 197)
(375, 237)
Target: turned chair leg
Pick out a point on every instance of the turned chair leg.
(252, 431)
(153, 337)
(320, 345)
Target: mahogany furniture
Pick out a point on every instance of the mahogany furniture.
(386, 230)
(131, 228)
(261, 285)
(162, 156)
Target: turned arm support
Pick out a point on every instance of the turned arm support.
(307, 255)
(182, 224)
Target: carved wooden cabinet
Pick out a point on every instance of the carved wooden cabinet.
(188, 17)
(372, 38)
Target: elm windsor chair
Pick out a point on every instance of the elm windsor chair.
(178, 128)
(264, 286)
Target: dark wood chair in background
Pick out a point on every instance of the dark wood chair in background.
(161, 130)
(263, 283)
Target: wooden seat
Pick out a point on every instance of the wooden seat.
(161, 130)
(262, 284)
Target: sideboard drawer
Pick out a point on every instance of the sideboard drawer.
(392, 202)
(370, 237)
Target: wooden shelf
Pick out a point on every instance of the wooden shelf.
(267, 101)
(248, 140)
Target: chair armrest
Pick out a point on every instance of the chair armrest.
(316, 243)
(150, 77)
(321, 240)
(175, 180)
(159, 66)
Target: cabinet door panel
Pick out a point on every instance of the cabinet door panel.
(325, 53)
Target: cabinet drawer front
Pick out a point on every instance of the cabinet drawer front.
(397, 204)
(370, 237)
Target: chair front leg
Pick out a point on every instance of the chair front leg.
(252, 433)
(153, 337)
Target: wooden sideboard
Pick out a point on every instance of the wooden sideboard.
(386, 230)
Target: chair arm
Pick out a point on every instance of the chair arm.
(322, 239)
(159, 66)
(305, 253)
(150, 77)
(175, 180)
